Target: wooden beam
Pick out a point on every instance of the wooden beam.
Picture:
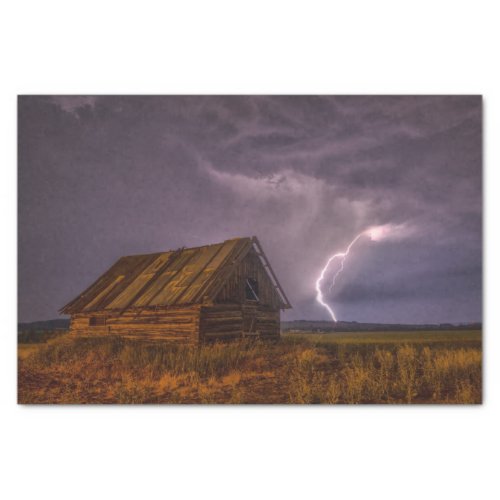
(262, 255)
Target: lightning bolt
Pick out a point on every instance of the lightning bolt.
(375, 233)
(342, 256)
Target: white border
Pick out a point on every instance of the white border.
(258, 47)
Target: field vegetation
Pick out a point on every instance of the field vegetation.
(395, 367)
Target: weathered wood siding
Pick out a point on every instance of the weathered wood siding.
(233, 316)
(176, 324)
(230, 316)
(221, 322)
(232, 321)
(189, 325)
(261, 321)
(234, 289)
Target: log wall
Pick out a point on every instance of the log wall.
(187, 325)
(231, 321)
(221, 322)
(175, 324)
(259, 320)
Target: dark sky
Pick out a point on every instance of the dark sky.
(102, 177)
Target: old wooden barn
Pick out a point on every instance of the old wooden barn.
(190, 295)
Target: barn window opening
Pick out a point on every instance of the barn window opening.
(97, 321)
(252, 289)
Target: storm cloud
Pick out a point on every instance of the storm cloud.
(106, 176)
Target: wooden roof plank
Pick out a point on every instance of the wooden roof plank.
(198, 277)
(164, 296)
(184, 276)
(134, 268)
(232, 260)
(134, 289)
(127, 266)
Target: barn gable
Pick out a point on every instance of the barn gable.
(251, 282)
(182, 277)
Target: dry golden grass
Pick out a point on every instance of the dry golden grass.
(299, 369)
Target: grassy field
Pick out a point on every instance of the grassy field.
(378, 367)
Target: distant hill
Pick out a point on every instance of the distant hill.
(51, 324)
(353, 326)
(299, 325)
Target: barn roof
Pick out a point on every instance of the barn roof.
(183, 276)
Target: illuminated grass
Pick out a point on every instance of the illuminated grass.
(393, 337)
(387, 367)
